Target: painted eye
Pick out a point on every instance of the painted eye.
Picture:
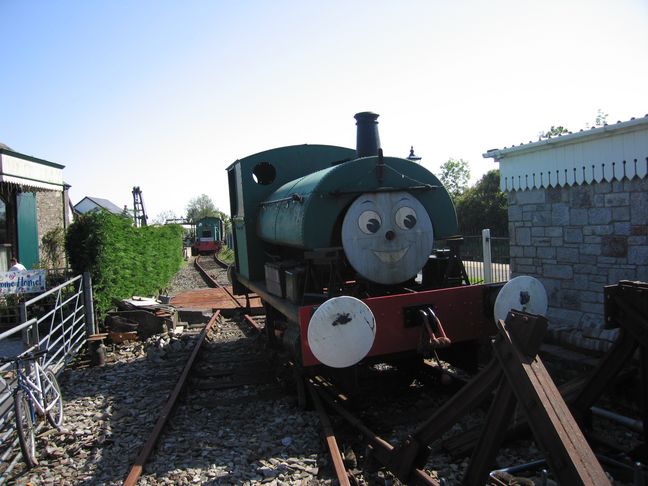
(369, 222)
(406, 218)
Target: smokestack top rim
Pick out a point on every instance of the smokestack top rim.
(366, 116)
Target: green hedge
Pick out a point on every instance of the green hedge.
(123, 260)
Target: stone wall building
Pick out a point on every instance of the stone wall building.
(578, 215)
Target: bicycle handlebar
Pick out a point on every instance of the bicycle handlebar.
(23, 357)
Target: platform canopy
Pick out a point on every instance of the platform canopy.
(30, 172)
(607, 153)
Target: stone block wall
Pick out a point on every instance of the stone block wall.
(578, 239)
(49, 210)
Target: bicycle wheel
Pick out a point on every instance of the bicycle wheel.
(52, 398)
(25, 428)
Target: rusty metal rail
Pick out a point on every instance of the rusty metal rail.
(252, 323)
(136, 469)
(331, 442)
(220, 262)
(211, 281)
(626, 307)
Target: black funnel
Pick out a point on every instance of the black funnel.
(367, 141)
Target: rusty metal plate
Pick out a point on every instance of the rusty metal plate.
(208, 299)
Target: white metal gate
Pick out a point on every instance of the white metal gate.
(58, 321)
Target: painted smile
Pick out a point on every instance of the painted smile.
(390, 256)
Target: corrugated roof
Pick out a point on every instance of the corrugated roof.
(565, 139)
(608, 153)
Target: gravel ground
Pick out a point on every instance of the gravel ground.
(187, 278)
(108, 411)
(248, 435)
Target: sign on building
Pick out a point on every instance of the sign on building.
(26, 282)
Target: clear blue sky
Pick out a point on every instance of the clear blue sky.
(166, 94)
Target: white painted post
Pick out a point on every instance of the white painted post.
(88, 304)
(28, 336)
(488, 263)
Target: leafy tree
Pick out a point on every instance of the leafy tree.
(226, 221)
(454, 175)
(484, 206)
(554, 131)
(600, 120)
(164, 216)
(201, 207)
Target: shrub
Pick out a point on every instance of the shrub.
(226, 255)
(123, 260)
(53, 247)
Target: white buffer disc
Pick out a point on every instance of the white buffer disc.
(523, 293)
(341, 331)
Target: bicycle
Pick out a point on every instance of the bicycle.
(37, 393)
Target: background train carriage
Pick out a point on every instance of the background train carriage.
(208, 237)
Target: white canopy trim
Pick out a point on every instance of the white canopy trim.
(610, 153)
(30, 172)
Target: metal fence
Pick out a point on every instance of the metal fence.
(486, 258)
(59, 321)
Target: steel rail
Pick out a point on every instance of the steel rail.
(334, 450)
(381, 449)
(252, 323)
(138, 466)
(212, 282)
(220, 262)
(205, 274)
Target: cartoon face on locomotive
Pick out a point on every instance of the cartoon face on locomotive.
(208, 236)
(354, 254)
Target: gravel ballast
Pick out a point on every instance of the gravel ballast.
(251, 435)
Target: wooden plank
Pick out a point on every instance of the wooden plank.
(554, 429)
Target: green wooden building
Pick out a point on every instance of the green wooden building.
(33, 201)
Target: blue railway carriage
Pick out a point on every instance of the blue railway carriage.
(209, 236)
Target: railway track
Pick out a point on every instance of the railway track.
(212, 270)
(136, 469)
(232, 372)
(239, 372)
(236, 421)
(236, 370)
